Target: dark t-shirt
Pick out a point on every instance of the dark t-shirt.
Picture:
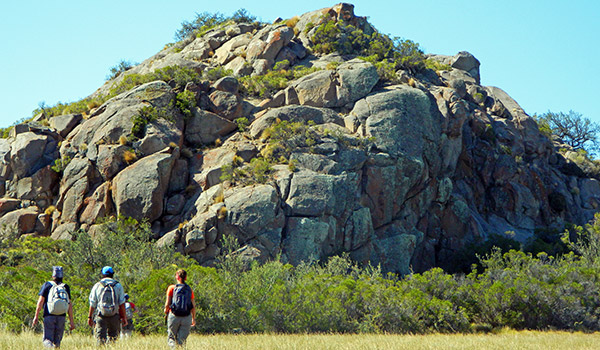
(45, 290)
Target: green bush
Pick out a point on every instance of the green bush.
(283, 137)
(257, 171)
(145, 116)
(242, 123)
(335, 36)
(60, 164)
(274, 80)
(206, 21)
(202, 23)
(512, 289)
(216, 73)
(179, 74)
(121, 67)
(185, 101)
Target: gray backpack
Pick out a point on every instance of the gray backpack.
(58, 299)
(107, 305)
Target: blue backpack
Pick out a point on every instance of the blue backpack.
(181, 304)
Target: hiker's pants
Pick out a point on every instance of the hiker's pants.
(54, 327)
(178, 329)
(107, 328)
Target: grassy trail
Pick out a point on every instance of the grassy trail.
(504, 340)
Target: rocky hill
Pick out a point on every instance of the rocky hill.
(401, 171)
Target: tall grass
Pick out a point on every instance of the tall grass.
(504, 340)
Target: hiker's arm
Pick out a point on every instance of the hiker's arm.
(123, 314)
(193, 313)
(70, 313)
(91, 316)
(38, 308)
(168, 303)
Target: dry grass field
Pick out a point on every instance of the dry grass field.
(503, 340)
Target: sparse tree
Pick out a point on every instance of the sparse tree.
(574, 129)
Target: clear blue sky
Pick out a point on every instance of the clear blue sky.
(543, 53)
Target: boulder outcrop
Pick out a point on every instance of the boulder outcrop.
(404, 172)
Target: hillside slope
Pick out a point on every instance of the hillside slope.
(251, 130)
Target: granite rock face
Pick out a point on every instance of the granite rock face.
(404, 175)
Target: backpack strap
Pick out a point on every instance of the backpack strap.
(112, 283)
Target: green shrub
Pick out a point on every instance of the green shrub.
(202, 23)
(242, 123)
(257, 171)
(283, 137)
(331, 36)
(216, 73)
(206, 21)
(179, 74)
(436, 65)
(121, 67)
(511, 289)
(60, 164)
(468, 256)
(185, 101)
(274, 80)
(145, 116)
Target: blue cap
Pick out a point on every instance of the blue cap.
(106, 270)
(57, 271)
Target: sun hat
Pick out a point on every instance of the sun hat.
(57, 271)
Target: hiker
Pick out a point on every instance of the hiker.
(55, 298)
(180, 310)
(107, 307)
(127, 330)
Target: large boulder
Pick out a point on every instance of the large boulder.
(314, 194)
(294, 114)
(39, 187)
(226, 104)
(63, 124)
(112, 122)
(358, 230)
(346, 84)
(252, 211)
(400, 122)
(307, 238)
(225, 53)
(204, 128)
(8, 205)
(138, 191)
(206, 169)
(30, 152)
(467, 62)
(73, 188)
(394, 251)
(98, 205)
(111, 160)
(20, 221)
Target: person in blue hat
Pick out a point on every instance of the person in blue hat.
(107, 307)
(55, 299)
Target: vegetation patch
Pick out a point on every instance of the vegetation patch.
(121, 67)
(185, 101)
(506, 289)
(206, 21)
(268, 84)
(335, 36)
(60, 164)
